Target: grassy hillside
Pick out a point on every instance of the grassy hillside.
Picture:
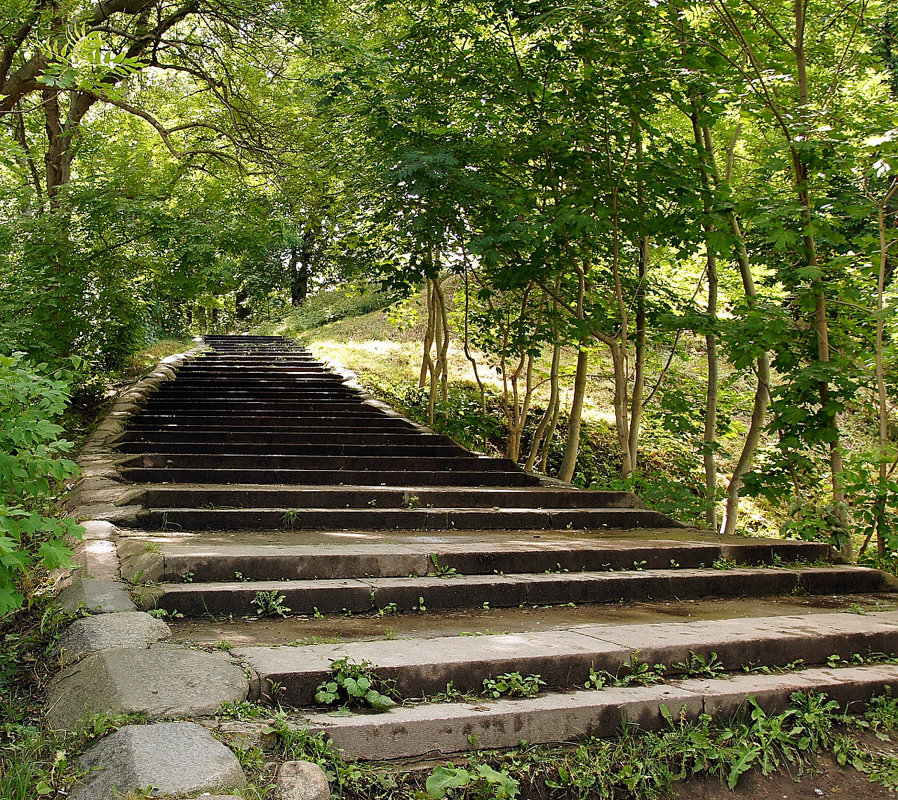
(382, 344)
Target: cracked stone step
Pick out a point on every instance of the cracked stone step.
(445, 728)
(564, 658)
(333, 477)
(403, 519)
(475, 591)
(485, 553)
(383, 497)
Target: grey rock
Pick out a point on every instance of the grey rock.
(98, 528)
(96, 597)
(92, 634)
(172, 757)
(162, 681)
(301, 780)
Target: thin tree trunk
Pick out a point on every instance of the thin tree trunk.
(546, 418)
(572, 445)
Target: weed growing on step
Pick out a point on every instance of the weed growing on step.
(270, 604)
(288, 520)
(633, 673)
(723, 562)
(442, 571)
(481, 780)
(243, 710)
(354, 684)
(389, 608)
(512, 684)
(699, 666)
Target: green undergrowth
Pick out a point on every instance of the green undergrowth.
(36, 762)
(636, 765)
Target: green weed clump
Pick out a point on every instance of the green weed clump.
(354, 684)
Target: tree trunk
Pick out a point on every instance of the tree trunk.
(572, 445)
(550, 408)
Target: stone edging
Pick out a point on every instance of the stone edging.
(117, 660)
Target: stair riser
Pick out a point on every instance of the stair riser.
(356, 596)
(327, 477)
(306, 437)
(187, 406)
(548, 720)
(337, 565)
(322, 423)
(459, 461)
(568, 670)
(384, 498)
(399, 519)
(415, 450)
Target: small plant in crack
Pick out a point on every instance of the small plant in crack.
(288, 520)
(512, 684)
(442, 571)
(632, 673)
(270, 604)
(699, 666)
(355, 684)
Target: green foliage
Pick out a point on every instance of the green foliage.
(270, 604)
(31, 468)
(633, 673)
(354, 684)
(481, 779)
(512, 684)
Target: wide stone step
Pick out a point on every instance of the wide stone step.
(563, 658)
(387, 497)
(475, 591)
(298, 477)
(457, 461)
(436, 730)
(351, 422)
(483, 553)
(436, 519)
(223, 435)
(414, 448)
(251, 405)
(241, 411)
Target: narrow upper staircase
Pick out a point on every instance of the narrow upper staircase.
(271, 487)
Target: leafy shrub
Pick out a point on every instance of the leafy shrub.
(31, 467)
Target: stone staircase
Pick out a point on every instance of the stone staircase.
(267, 483)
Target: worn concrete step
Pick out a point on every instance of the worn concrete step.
(240, 412)
(475, 591)
(322, 422)
(224, 435)
(297, 477)
(415, 448)
(187, 404)
(430, 519)
(437, 730)
(387, 497)
(225, 388)
(456, 461)
(300, 631)
(214, 558)
(564, 658)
